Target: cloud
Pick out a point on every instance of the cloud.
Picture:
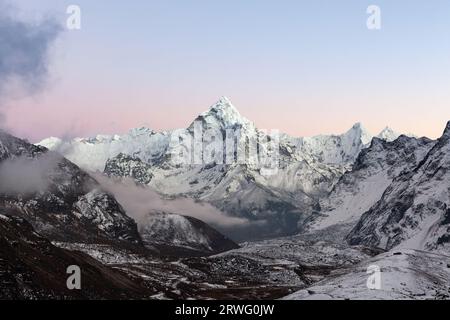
(24, 175)
(24, 53)
(139, 201)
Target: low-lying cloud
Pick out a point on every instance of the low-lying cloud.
(24, 175)
(139, 201)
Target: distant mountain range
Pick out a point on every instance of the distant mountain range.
(279, 204)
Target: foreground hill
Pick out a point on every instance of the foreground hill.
(32, 268)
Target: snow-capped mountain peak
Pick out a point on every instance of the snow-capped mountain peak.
(225, 105)
(223, 114)
(388, 134)
(51, 143)
(135, 132)
(358, 131)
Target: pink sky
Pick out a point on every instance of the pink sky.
(88, 114)
(298, 68)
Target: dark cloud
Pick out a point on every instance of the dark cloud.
(24, 51)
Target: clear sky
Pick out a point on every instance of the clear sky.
(303, 67)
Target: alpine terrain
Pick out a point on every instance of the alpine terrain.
(225, 210)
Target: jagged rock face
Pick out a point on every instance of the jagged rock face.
(413, 212)
(387, 134)
(181, 235)
(127, 166)
(338, 149)
(65, 204)
(3, 152)
(32, 268)
(223, 115)
(374, 170)
(102, 210)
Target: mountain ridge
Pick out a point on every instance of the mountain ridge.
(413, 210)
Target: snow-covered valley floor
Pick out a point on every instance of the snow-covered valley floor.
(404, 274)
(293, 268)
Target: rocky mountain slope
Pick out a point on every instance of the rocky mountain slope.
(359, 189)
(127, 166)
(61, 201)
(179, 235)
(32, 268)
(414, 210)
(66, 205)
